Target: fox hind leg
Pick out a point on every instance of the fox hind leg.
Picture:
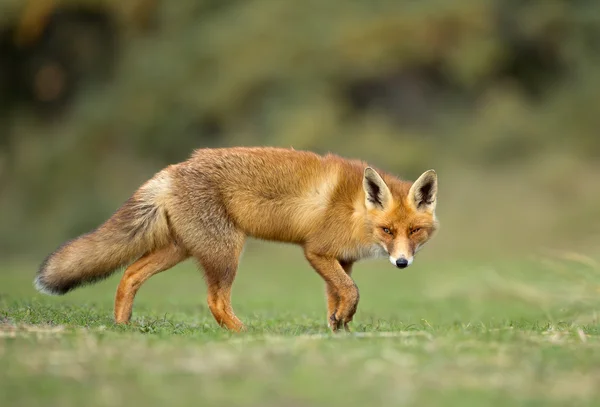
(139, 272)
(219, 260)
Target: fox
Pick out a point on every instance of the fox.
(338, 210)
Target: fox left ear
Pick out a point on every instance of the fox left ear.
(423, 192)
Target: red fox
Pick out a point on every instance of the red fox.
(338, 210)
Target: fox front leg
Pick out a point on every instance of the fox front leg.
(342, 291)
(333, 298)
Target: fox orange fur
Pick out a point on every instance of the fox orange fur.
(340, 211)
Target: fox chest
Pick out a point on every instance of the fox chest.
(363, 252)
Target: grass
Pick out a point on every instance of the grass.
(520, 332)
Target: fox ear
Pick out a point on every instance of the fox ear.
(423, 192)
(377, 193)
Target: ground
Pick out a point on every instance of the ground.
(455, 332)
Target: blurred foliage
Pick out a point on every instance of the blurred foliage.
(482, 83)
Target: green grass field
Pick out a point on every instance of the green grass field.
(465, 333)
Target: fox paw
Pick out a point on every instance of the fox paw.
(334, 323)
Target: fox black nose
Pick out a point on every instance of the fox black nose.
(401, 263)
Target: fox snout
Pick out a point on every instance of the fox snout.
(401, 262)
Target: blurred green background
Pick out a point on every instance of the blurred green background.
(499, 96)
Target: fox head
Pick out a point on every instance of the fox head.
(402, 221)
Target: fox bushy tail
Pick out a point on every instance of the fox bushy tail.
(139, 226)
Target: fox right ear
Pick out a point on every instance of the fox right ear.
(377, 193)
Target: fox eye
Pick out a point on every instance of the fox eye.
(386, 230)
(415, 230)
